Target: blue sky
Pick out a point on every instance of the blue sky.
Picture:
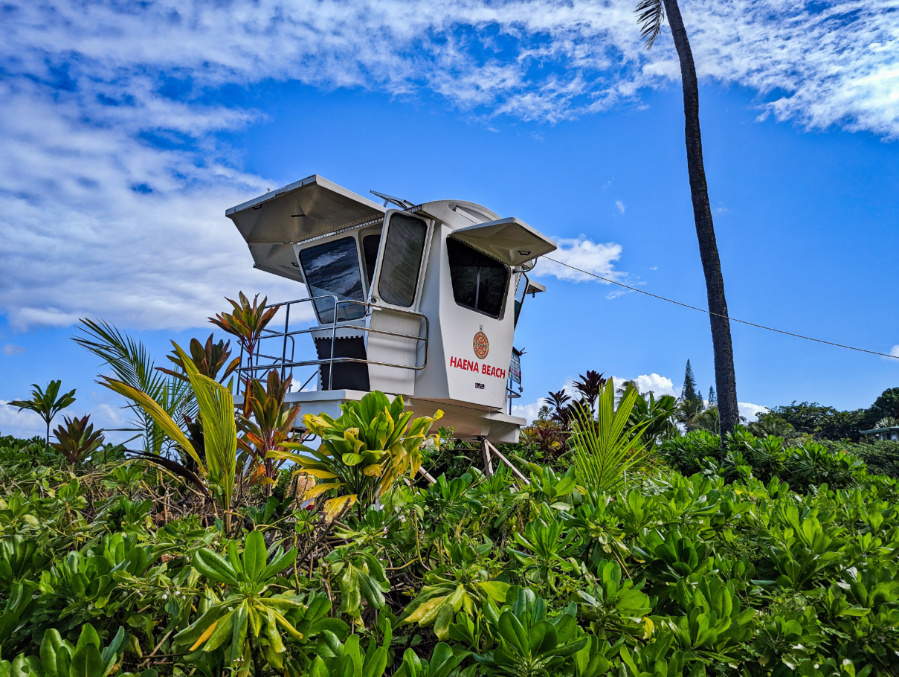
(129, 129)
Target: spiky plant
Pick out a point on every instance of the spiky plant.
(77, 439)
(209, 359)
(589, 386)
(246, 322)
(270, 427)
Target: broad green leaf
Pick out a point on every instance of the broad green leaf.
(254, 556)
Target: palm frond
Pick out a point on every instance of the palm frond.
(650, 16)
(133, 365)
(128, 358)
(156, 413)
(605, 448)
(216, 407)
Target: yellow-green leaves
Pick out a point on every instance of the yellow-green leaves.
(437, 604)
(216, 406)
(248, 608)
(363, 452)
(335, 506)
(360, 576)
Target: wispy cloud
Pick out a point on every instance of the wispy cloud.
(113, 176)
(819, 63)
(12, 349)
(619, 205)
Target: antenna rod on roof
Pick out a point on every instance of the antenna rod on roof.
(402, 204)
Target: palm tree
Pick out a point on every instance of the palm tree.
(131, 362)
(651, 14)
(46, 404)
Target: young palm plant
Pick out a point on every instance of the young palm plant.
(605, 449)
(132, 364)
(217, 465)
(46, 404)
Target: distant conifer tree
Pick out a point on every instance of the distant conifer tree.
(713, 398)
(689, 392)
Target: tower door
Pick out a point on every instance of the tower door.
(396, 297)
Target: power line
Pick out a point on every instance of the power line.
(708, 312)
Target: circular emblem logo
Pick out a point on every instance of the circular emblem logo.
(481, 345)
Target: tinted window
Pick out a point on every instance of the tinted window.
(402, 260)
(479, 282)
(333, 268)
(519, 295)
(370, 246)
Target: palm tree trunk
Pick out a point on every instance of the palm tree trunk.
(725, 379)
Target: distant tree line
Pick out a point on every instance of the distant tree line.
(791, 420)
(829, 423)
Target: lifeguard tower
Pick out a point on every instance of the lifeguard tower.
(414, 300)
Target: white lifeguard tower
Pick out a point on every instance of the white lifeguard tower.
(417, 300)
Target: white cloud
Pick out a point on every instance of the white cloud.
(660, 385)
(894, 351)
(750, 411)
(24, 424)
(527, 411)
(593, 257)
(619, 205)
(11, 349)
(114, 179)
(161, 259)
(817, 63)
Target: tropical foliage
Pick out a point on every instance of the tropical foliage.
(46, 403)
(730, 570)
(231, 545)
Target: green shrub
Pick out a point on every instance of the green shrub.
(881, 456)
(768, 559)
(802, 465)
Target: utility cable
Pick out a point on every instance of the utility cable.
(709, 312)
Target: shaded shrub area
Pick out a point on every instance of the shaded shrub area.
(802, 464)
(881, 456)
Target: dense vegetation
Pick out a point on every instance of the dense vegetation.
(230, 543)
(102, 571)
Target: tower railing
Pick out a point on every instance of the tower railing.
(283, 341)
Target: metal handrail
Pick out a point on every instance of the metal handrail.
(284, 363)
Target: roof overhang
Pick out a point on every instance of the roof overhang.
(272, 223)
(509, 240)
